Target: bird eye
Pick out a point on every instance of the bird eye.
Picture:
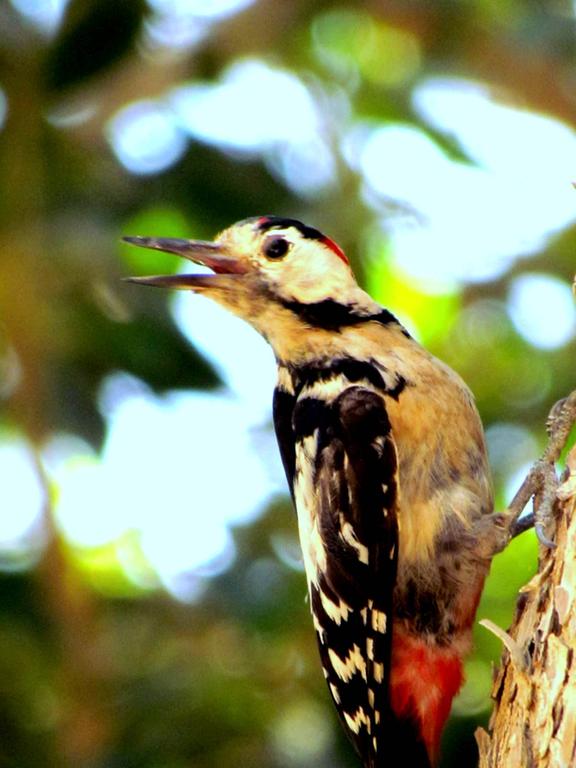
(276, 248)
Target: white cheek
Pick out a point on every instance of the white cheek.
(310, 277)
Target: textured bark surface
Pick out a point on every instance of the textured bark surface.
(534, 720)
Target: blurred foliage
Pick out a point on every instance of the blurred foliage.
(98, 670)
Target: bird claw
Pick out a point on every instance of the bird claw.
(542, 538)
(542, 483)
(521, 524)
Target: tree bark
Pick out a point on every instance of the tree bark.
(534, 720)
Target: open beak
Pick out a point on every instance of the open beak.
(212, 255)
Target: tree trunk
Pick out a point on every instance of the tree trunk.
(534, 720)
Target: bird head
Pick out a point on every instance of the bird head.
(273, 272)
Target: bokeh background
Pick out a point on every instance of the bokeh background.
(152, 599)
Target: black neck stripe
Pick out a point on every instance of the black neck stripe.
(331, 315)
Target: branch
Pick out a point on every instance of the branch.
(534, 719)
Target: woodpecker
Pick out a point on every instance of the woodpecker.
(385, 458)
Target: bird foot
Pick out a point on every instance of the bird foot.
(542, 482)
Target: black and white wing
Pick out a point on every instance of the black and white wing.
(343, 472)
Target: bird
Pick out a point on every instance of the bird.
(386, 462)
